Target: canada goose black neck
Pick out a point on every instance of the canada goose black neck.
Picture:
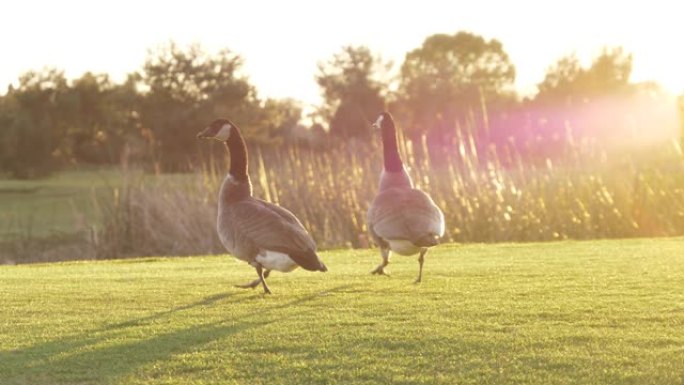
(238, 156)
(389, 145)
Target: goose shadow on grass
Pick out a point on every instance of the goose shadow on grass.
(75, 359)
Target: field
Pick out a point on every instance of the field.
(562, 312)
(61, 217)
(59, 204)
(66, 202)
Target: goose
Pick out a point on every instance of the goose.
(401, 218)
(263, 234)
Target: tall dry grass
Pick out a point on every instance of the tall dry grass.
(586, 193)
(156, 216)
(488, 194)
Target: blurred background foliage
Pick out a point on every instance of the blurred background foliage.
(49, 122)
(590, 154)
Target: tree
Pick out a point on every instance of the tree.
(153, 116)
(277, 118)
(187, 89)
(562, 78)
(8, 110)
(33, 124)
(352, 94)
(104, 116)
(47, 121)
(599, 101)
(567, 80)
(450, 76)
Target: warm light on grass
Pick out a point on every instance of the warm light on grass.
(605, 312)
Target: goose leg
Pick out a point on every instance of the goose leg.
(262, 278)
(421, 259)
(380, 270)
(254, 283)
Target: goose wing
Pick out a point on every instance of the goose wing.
(408, 214)
(284, 213)
(270, 227)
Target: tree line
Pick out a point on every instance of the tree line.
(450, 83)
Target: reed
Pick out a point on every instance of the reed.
(488, 194)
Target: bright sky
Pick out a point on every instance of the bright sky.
(282, 41)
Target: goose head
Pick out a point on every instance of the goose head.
(227, 132)
(385, 121)
(219, 129)
(391, 158)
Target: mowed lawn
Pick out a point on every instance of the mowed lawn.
(61, 204)
(66, 202)
(567, 312)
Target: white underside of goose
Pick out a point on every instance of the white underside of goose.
(274, 260)
(403, 247)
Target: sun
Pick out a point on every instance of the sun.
(672, 81)
(667, 74)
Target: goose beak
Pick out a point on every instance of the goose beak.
(203, 134)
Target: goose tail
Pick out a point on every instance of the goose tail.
(309, 260)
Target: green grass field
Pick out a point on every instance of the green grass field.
(66, 202)
(57, 205)
(569, 312)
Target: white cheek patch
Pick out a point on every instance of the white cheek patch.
(224, 132)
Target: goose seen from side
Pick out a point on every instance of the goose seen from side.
(263, 234)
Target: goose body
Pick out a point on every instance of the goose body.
(401, 218)
(263, 234)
